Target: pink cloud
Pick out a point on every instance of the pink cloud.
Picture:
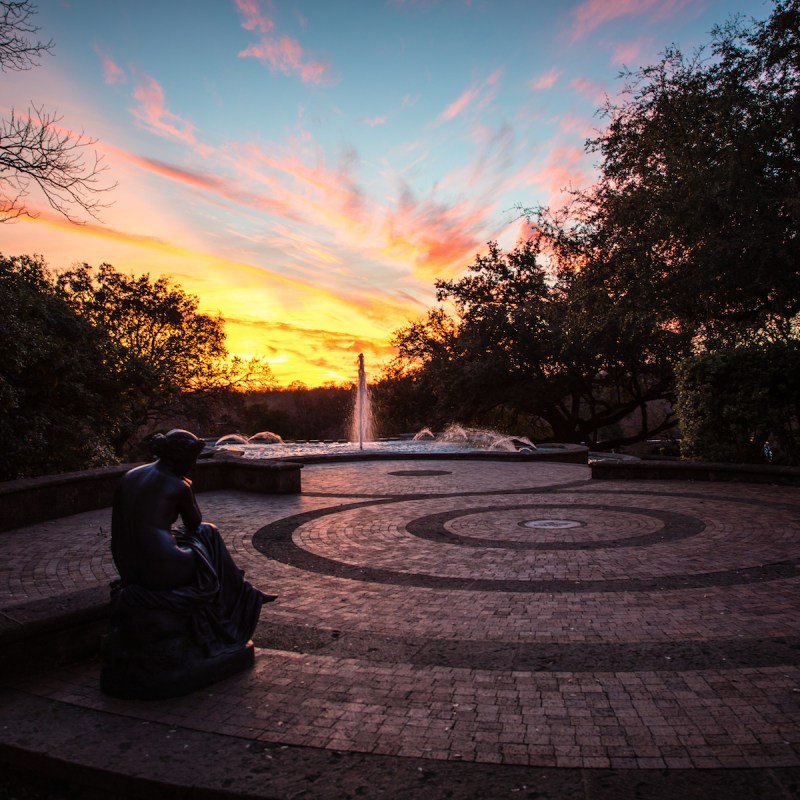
(591, 14)
(323, 192)
(153, 114)
(435, 238)
(578, 127)
(457, 106)
(253, 19)
(564, 168)
(594, 91)
(630, 53)
(546, 80)
(280, 53)
(286, 55)
(374, 121)
(214, 185)
(487, 173)
(112, 72)
(470, 96)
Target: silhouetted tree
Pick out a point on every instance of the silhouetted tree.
(535, 353)
(695, 216)
(57, 401)
(297, 412)
(35, 151)
(170, 358)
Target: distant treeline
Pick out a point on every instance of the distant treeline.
(298, 413)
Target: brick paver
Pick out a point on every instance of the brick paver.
(424, 612)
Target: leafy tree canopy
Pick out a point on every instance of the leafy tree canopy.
(695, 215)
(56, 400)
(542, 354)
(96, 359)
(159, 346)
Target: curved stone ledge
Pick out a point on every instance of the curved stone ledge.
(695, 471)
(32, 500)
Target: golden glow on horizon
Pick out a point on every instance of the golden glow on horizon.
(305, 332)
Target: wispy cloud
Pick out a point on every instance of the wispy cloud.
(285, 54)
(253, 17)
(630, 53)
(591, 14)
(210, 184)
(112, 72)
(593, 91)
(480, 94)
(546, 80)
(434, 238)
(153, 114)
(282, 53)
(563, 168)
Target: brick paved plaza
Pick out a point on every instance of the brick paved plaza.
(510, 619)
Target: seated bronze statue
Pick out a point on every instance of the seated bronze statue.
(182, 613)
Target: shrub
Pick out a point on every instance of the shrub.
(741, 405)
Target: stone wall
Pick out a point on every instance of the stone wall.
(32, 500)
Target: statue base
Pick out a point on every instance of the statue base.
(166, 667)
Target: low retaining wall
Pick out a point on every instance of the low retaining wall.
(695, 471)
(32, 500)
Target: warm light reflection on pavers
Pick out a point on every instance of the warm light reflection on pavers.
(419, 616)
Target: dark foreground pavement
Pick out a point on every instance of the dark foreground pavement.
(449, 629)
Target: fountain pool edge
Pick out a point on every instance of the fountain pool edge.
(562, 453)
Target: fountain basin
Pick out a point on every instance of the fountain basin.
(325, 452)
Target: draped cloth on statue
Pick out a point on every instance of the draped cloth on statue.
(223, 607)
(166, 642)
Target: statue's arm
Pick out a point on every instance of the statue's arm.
(188, 509)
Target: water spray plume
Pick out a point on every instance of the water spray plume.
(362, 413)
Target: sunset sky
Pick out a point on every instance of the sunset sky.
(308, 168)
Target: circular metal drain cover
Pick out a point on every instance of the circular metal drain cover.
(420, 473)
(552, 523)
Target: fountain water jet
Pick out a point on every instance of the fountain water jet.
(362, 412)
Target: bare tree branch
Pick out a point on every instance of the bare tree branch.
(35, 151)
(17, 51)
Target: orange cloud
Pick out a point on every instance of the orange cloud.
(314, 355)
(153, 114)
(334, 340)
(57, 222)
(434, 238)
(591, 14)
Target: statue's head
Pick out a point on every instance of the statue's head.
(177, 448)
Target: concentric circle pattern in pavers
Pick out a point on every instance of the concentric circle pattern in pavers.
(421, 614)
